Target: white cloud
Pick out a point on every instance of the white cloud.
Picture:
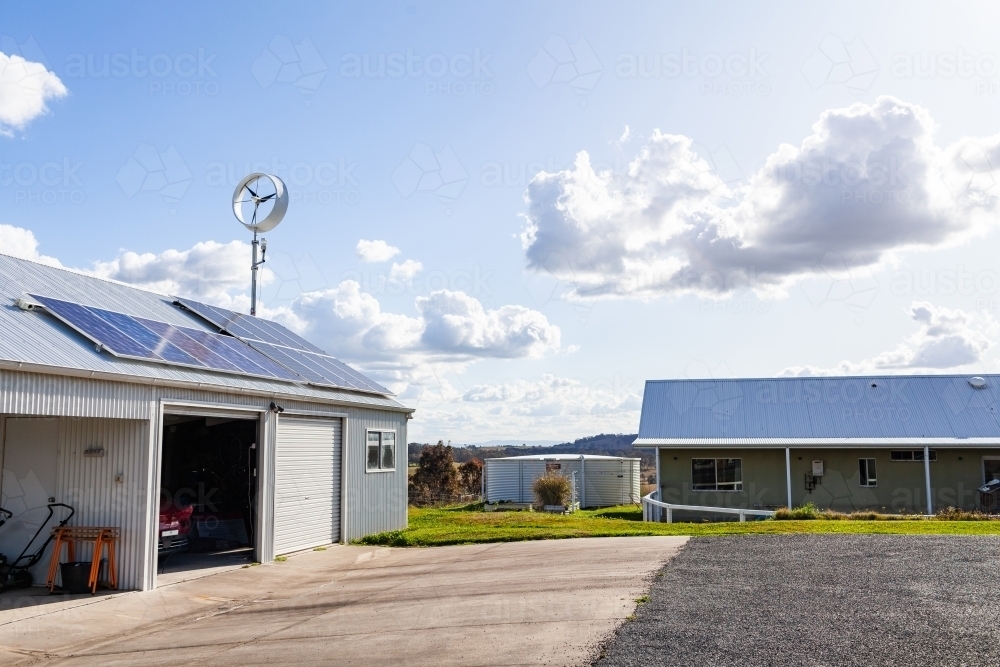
(408, 270)
(451, 326)
(868, 183)
(22, 243)
(375, 251)
(626, 135)
(548, 407)
(25, 87)
(218, 273)
(945, 340)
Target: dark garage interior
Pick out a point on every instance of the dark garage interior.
(208, 492)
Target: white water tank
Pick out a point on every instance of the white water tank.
(601, 481)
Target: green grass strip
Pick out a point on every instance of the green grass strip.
(468, 524)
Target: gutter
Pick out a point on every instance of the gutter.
(44, 369)
(816, 443)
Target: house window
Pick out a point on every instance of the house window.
(867, 467)
(911, 455)
(991, 468)
(381, 450)
(717, 474)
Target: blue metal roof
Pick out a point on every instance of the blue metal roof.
(827, 408)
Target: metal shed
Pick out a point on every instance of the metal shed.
(90, 404)
(602, 481)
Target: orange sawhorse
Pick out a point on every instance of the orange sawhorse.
(101, 537)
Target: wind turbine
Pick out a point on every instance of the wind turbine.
(259, 203)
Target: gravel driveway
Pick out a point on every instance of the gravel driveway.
(820, 600)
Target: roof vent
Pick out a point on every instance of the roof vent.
(977, 382)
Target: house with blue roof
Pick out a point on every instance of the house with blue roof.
(913, 444)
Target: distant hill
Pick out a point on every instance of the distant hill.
(606, 444)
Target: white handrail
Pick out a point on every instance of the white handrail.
(648, 503)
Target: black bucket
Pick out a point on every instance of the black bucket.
(75, 576)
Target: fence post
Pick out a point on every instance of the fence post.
(743, 517)
(670, 515)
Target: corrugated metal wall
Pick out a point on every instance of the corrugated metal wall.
(376, 502)
(88, 484)
(38, 394)
(503, 481)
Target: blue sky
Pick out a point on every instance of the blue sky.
(532, 294)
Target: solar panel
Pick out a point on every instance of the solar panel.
(149, 340)
(285, 347)
(248, 327)
(156, 344)
(319, 369)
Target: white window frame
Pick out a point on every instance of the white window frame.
(868, 483)
(982, 465)
(914, 453)
(737, 486)
(395, 450)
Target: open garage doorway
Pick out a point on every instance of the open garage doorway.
(208, 494)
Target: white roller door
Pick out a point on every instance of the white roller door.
(307, 483)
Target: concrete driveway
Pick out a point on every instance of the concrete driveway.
(521, 603)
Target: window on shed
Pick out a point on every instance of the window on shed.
(388, 450)
(381, 450)
(867, 470)
(373, 447)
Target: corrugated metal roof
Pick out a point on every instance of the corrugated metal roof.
(42, 343)
(768, 411)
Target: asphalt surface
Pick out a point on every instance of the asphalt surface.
(819, 600)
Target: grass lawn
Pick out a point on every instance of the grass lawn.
(468, 524)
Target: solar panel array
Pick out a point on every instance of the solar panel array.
(149, 340)
(247, 327)
(285, 347)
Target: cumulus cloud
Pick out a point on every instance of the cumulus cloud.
(375, 251)
(557, 396)
(218, 273)
(25, 87)
(22, 243)
(450, 325)
(550, 406)
(868, 183)
(945, 340)
(408, 270)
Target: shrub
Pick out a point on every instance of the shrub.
(955, 514)
(807, 511)
(552, 489)
(470, 476)
(436, 478)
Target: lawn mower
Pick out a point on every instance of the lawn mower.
(16, 574)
